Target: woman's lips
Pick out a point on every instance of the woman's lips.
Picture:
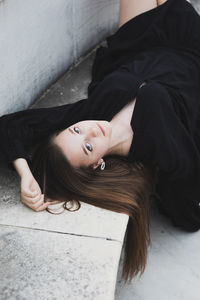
(102, 130)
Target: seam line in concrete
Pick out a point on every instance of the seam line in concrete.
(74, 32)
(66, 73)
(60, 232)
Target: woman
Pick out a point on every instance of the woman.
(135, 136)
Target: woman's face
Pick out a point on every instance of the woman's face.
(85, 143)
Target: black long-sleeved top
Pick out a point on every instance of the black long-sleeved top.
(162, 48)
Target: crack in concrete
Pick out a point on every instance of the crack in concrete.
(60, 232)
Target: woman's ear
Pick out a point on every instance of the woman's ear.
(97, 164)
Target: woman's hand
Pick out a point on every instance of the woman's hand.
(31, 194)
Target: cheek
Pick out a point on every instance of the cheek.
(101, 147)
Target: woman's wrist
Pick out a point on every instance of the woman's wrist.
(22, 167)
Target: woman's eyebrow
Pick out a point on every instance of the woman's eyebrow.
(82, 145)
(71, 131)
(84, 150)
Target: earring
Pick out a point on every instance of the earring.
(103, 165)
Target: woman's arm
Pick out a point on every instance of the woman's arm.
(21, 131)
(31, 194)
(22, 167)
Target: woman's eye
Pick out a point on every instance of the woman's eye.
(88, 146)
(77, 130)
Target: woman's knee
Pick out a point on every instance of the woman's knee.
(160, 2)
(131, 8)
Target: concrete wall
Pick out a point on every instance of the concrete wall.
(40, 39)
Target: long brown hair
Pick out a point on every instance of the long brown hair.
(122, 187)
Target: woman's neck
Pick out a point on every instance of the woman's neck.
(122, 133)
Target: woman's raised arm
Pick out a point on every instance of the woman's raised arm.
(22, 130)
(30, 190)
(22, 167)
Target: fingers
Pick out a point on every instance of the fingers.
(36, 203)
(31, 200)
(43, 206)
(30, 194)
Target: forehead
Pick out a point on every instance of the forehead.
(71, 145)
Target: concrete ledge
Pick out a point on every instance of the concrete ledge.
(44, 265)
(87, 221)
(69, 256)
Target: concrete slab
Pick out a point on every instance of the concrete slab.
(38, 265)
(88, 220)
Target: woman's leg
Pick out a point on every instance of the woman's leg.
(132, 8)
(159, 2)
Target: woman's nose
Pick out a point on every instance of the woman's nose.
(93, 131)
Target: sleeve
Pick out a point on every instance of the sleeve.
(22, 130)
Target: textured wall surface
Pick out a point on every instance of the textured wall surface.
(41, 39)
(196, 4)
